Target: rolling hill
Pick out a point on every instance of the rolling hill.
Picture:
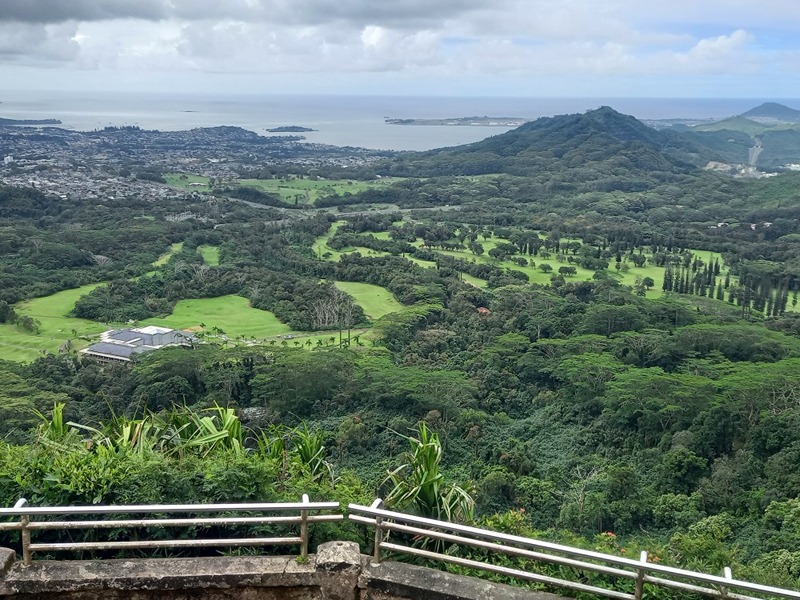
(603, 150)
(773, 111)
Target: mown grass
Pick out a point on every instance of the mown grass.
(231, 314)
(292, 189)
(184, 180)
(210, 254)
(56, 327)
(374, 299)
(305, 190)
(325, 252)
(626, 276)
(164, 258)
(476, 281)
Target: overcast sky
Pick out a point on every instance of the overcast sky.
(591, 48)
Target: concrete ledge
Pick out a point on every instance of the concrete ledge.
(164, 574)
(400, 581)
(337, 572)
(7, 558)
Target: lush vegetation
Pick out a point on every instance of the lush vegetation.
(582, 336)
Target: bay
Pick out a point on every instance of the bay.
(340, 120)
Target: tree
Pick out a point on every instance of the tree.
(567, 271)
(606, 319)
(545, 267)
(476, 248)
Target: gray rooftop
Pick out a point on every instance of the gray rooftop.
(117, 350)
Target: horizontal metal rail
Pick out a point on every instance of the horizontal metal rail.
(164, 508)
(25, 525)
(641, 571)
(133, 523)
(475, 564)
(278, 541)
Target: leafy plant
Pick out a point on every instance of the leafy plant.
(420, 487)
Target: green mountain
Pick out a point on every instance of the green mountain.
(601, 143)
(774, 111)
(604, 150)
(738, 123)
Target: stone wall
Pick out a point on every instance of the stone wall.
(337, 572)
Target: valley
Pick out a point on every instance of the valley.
(602, 334)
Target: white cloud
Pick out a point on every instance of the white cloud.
(409, 38)
(721, 54)
(39, 44)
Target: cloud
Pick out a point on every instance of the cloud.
(437, 40)
(47, 11)
(41, 44)
(721, 54)
(394, 13)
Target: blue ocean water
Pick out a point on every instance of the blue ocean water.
(340, 120)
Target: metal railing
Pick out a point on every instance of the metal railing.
(640, 572)
(27, 524)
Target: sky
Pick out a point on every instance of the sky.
(530, 48)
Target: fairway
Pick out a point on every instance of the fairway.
(164, 258)
(292, 190)
(56, 328)
(210, 254)
(324, 252)
(305, 190)
(534, 273)
(231, 314)
(374, 299)
(476, 281)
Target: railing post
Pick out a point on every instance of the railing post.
(304, 530)
(641, 572)
(376, 554)
(727, 574)
(25, 534)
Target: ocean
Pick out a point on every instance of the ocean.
(339, 120)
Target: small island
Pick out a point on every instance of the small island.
(290, 129)
(463, 121)
(29, 122)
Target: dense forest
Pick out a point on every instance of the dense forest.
(662, 415)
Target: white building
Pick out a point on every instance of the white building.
(120, 345)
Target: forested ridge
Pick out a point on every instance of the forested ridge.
(569, 404)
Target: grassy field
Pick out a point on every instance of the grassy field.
(476, 281)
(232, 314)
(56, 328)
(210, 254)
(302, 190)
(374, 299)
(184, 181)
(323, 251)
(292, 190)
(164, 258)
(535, 274)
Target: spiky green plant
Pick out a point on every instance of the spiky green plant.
(419, 486)
(54, 431)
(309, 448)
